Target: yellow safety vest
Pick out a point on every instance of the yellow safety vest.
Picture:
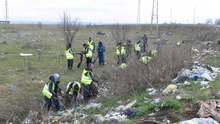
(179, 43)
(117, 51)
(153, 53)
(146, 59)
(74, 84)
(86, 79)
(68, 53)
(88, 53)
(123, 66)
(137, 47)
(123, 50)
(46, 91)
(91, 44)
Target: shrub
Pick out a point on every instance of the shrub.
(171, 104)
(162, 69)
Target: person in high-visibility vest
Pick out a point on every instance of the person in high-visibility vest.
(72, 91)
(137, 49)
(69, 57)
(50, 93)
(91, 44)
(88, 54)
(89, 84)
(123, 53)
(146, 59)
(118, 52)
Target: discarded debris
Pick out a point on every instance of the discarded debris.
(152, 91)
(170, 89)
(210, 108)
(200, 121)
(115, 116)
(93, 105)
(199, 73)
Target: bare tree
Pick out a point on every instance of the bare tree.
(119, 32)
(70, 28)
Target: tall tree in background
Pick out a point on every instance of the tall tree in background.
(70, 28)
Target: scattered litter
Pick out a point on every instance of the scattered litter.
(200, 73)
(187, 83)
(200, 121)
(124, 107)
(130, 112)
(115, 116)
(151, 114)
(210, 108)
(178, 97)
(99, 118)
(204, 83)
(93, 105)
(25, 54)
(156, 101)
(170, 89)
(152, 91)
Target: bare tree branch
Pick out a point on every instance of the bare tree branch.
(70, 28)
(119, 32)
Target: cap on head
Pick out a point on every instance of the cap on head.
(55, 77)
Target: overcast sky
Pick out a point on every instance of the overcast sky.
(111, 11)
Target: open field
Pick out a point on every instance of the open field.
(21, 82)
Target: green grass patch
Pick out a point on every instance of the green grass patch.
(172, 104)
(215, 61)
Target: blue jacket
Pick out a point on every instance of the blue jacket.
(101, 50)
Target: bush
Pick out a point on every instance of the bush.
(162, 69)
(18, 102)
(171, 104)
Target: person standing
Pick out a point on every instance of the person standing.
(129, 47)
(88, 54)
(91, 44)
(123, 53)
(101, 53)
(118, 52)
(69, 57)
(137, 49)
(145, 43)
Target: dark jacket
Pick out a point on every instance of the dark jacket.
(101, 49)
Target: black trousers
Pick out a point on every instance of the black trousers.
(138, 54)
(69, 100)
(118, 59)
(89, 91)
(69, 64)
(88, 61)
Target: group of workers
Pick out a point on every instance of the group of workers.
(123, 50)
(88, 86)
(89, 53)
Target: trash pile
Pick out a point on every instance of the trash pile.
(200, 121)
(199, 73)
(122, 112)
(210, 108)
